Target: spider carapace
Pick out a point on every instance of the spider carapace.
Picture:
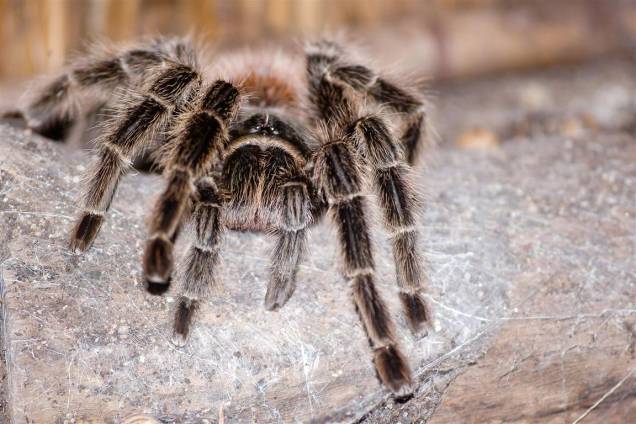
(253, 141)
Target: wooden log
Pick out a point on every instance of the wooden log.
(532, 281)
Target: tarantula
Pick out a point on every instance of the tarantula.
(254, 142)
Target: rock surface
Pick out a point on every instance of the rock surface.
(532, 252)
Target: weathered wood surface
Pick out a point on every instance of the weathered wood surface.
(532, 250)
(550, 228)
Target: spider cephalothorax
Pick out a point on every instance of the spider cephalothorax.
(253, 142)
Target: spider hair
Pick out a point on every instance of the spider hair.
(262, 141)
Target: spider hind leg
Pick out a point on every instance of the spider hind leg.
(340, 180)
(398, 201)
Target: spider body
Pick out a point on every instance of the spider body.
(263, 144)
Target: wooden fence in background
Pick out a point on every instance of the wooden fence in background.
(440, 37)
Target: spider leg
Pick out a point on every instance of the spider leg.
(135, 121)
(53, 108)
(290, 246)
(199, 267)
(410, 107)
(200, 134)
(399, 100)
(397, 200)
(338, 175)
(242, 174)
(338, 178)
(87, 85)
(286, 199)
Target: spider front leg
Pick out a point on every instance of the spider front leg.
(398, 201)
(198, 271)
(136, 119)
(338, 179)
(200, 134)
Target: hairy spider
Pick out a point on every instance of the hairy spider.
(253, 142)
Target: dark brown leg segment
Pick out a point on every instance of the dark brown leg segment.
(339, 181)
(198, 272)
(398, 201)
(201, 135)
(113, 161)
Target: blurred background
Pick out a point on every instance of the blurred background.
(448, 41)
(444, 38)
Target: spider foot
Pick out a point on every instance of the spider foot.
(158, 260)
(157, 288)
(278, 293)
(183, 320)
(289, 247)
(56, 128)
(417, 313)
(85, 232)
(393, 370)
(15, 118)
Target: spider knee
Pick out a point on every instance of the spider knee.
(173, 82)
(374, 139)
(222, 99)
